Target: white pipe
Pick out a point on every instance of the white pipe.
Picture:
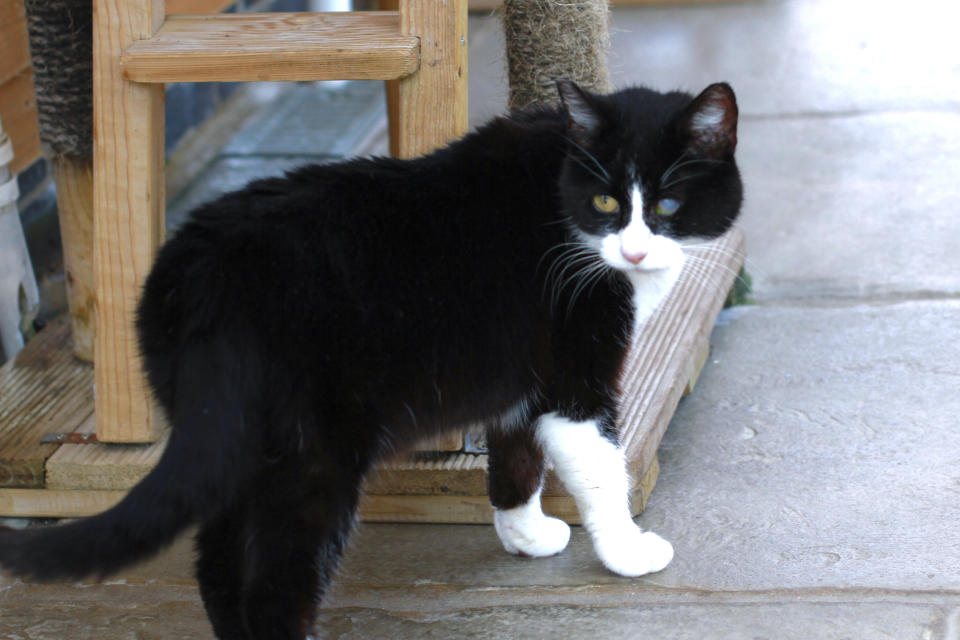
(19, 296)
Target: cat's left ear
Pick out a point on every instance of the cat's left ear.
(583, 121)
(711, 121)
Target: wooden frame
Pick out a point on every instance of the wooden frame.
(128, 214)
(422, 47)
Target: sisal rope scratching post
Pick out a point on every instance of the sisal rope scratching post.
(551, 39)
(61, 48)
(570, 39)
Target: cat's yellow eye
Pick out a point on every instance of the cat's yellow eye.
(667, 207)
(606, 204)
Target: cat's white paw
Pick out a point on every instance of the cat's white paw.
(528, 532)
(630, 551)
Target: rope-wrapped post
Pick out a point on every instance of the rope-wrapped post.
(61, 48)
(551, 39)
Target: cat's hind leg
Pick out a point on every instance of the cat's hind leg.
(516, 469)
(220, 573)
(593, 470)
(297, 524)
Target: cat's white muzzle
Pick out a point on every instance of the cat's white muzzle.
(634, 250)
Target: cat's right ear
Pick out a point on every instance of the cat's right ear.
(583, 121)
(711, 121)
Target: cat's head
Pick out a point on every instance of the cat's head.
(646, 171)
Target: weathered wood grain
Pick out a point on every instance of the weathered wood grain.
(274, 46)
(43, 390)
(74, 179)
(128, 213)
(18, 108)
(429, 108)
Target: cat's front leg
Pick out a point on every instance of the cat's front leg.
(516, 468)
(593, 470)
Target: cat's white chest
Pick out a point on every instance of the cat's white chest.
(650, 288)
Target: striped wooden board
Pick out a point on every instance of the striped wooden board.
(46, 390)
(43, 390)
(445, 509)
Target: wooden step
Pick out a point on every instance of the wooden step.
(444, 509)
(363, 45)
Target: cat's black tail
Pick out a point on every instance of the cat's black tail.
(201, 471)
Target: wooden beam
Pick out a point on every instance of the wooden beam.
(429, 108)
(74, 179)
(128, 197)
(101, 467)
(274, 46)
(14, 46)
(197, 6)
(56, 503)
(475, 509)
(18, 108)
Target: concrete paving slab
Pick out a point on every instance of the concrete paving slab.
(797, 57)
(158, 600)
(852, 207)
(774, 621)
(121, 611)
(102, 612)
(818, 450)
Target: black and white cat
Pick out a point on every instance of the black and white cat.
(301, 329)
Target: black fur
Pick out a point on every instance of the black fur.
(302, 328)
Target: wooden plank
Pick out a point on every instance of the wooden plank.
(476, 509)
(43, 390)
(120, 466)
(18, 108)
(665, 354)
(44, 503)
(74, 180)
(128, 198)
(700, 356)
(102, 467)
(429, 108)
(274, 46)
(56, 503)
(459, 474)
(197, 6)
(14, 44)
(450, 441)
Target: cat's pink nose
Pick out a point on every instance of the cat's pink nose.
(633, 257)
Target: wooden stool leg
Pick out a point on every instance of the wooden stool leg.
(74, 178)
(429, 108)
(128, 215)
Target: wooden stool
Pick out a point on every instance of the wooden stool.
(420, 48)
